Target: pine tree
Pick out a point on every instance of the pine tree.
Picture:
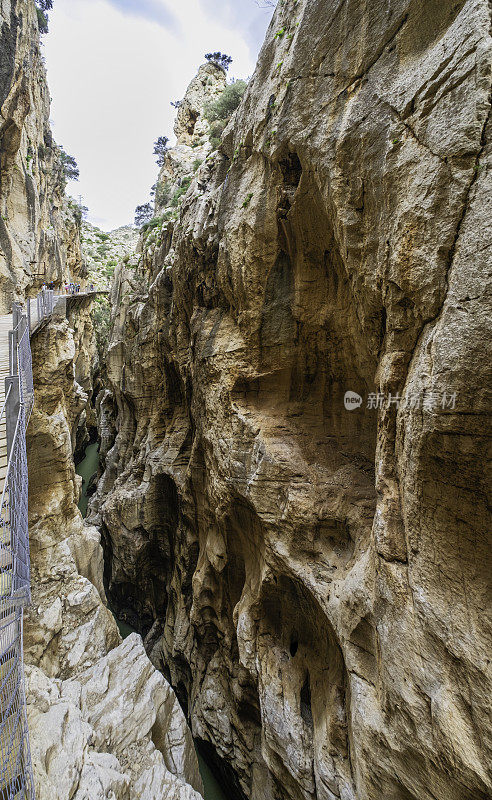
(219, 59)
(160, 149)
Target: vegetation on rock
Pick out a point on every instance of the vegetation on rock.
(221, 110)
(160, 149)
(69, 166)
(143, 214)
(41, 7)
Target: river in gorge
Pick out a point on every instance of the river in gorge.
(87, 469)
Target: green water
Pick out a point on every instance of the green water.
(86, 469)
(123, 627)
(212, 790)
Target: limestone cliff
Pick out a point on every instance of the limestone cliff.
(103, 722)
(39, 227)
(192, 135)
(313, 579)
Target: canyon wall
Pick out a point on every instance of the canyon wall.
(313, 578)
(103, 722)
(39, 226)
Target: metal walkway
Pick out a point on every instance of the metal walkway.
(16, 403)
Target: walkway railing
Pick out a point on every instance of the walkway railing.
(16, 778)
(47, 301)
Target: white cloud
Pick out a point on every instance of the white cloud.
(112, 76)
(154, 10)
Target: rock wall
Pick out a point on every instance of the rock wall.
(103, 722)
(313, 579)
(192, 134)
(39, 227)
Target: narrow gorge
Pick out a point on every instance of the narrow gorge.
(288, 386)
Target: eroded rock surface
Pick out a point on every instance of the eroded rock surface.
(114, 731)
(39, 226)
(313, 580)
(103, 722)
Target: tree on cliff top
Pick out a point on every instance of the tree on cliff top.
(219, 59)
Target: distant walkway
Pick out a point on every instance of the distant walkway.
(49, 300)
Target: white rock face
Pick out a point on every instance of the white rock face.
(115, 732)
(323, 573)
(191, 129)
(103, 722)
(206, 86)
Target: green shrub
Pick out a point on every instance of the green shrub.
(157, 222)
(225, 105)
(185, 185)
(197, 164)
(163, 194)
(221, 110)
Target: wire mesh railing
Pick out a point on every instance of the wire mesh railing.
(16, 777)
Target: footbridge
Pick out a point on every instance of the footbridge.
(16, 404)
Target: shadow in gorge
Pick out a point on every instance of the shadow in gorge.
(304, 690)
(139, 604)
(219, 780)
(87, 469)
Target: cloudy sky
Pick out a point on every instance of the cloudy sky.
(113, 68)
